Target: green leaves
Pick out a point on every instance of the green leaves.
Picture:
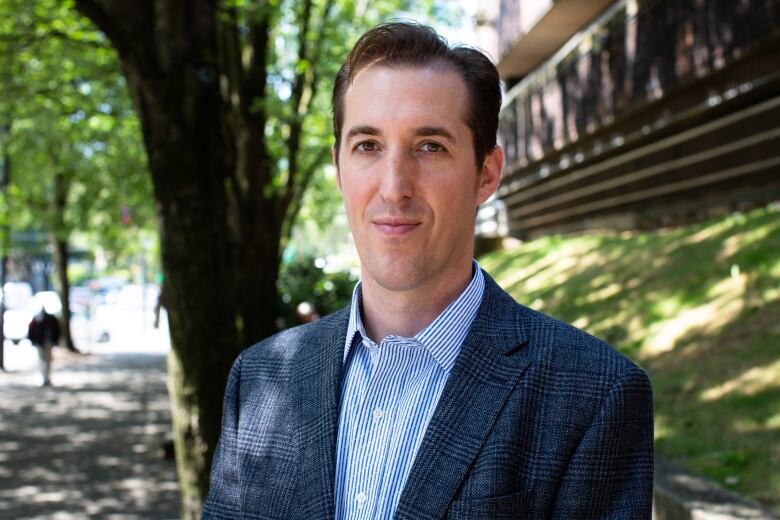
(66, 102)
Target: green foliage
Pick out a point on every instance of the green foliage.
(304, 281)
(71, 122)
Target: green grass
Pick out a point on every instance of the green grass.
(699, 308)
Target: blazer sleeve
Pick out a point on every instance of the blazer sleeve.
(223, 498)
(610, 475)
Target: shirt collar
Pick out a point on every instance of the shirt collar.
(444, 336)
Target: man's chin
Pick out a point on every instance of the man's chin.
(397, 276)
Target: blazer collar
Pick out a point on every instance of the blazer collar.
(317, 384)
(444, 336)
(489, 366)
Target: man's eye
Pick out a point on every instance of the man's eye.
(432, 147)
(366, 146)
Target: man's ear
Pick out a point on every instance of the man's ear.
(334, 156)
(490, 175)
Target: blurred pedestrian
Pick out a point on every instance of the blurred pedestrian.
(44, 333)
(158, 307)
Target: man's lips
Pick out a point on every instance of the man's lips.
(395, 226)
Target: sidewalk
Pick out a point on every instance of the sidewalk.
(89, 447)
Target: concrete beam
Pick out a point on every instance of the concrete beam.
(561, 20)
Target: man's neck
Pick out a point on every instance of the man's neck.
(387, 312)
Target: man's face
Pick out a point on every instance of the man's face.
(408, 174)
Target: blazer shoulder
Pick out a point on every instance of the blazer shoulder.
(573, 346)
(554, 342)
(286, 345)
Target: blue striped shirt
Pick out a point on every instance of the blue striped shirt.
(388, 396)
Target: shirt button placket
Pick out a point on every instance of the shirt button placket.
(361, 499)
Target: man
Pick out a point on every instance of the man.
(434, 395)
(44, 332)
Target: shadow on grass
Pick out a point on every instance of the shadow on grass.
(698, 307)
(715, 412)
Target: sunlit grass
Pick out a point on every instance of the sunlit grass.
(699, 308)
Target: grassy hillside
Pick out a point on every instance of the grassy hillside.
(699, 309)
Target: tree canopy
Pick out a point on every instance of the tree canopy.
(70, 122)
(73, 155)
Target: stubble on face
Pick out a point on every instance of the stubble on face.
(408, 176)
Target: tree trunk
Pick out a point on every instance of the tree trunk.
(61, 257)
(256, 282)
(203, 132)
(168, 52)
(60, 245)
(199, 281)
(200, 302)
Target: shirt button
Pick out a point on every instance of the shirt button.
(361, 498)
(378, 414)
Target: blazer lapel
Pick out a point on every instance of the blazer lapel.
(487, 369)
(318, 383)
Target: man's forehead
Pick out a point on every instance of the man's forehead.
(426, 100)
(435, 78)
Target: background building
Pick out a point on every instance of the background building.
(635, 114)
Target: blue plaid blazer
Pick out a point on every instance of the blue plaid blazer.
(537, 420)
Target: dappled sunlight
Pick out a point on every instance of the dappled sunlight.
(708, 318)
(520, 273)
(774, 271)
(92, 414)
(91, 447)
(558, 265)
(755, 380)
(748, 426)
(667, 307)
(709, 232)
(605, 292)
(697, 307)
(732, 244)
(662, 428)
(581, 323)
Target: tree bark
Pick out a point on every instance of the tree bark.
(256, 285)
(199, 275)
(61, 257)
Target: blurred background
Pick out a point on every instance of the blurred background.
(166, 192)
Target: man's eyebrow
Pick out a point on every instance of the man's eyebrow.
(426, 131)
(362, 130)
(423, 131)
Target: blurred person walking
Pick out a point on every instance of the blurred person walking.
(44, 333)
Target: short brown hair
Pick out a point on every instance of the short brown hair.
(398, 44)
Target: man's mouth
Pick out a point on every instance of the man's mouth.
(394, 226)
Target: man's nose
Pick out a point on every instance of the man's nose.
(398, 178)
